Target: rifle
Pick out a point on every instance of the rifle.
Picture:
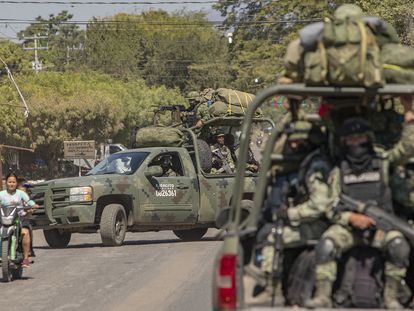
(225, 165)
(384, 221)
(171, 108)
(251, 159)
(278, 200)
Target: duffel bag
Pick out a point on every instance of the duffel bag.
(221, 109)
(234, 97)
(158, 136)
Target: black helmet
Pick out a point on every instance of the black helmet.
(355, 126)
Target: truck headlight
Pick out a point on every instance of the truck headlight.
(81, 194)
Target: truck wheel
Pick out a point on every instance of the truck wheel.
(190, 234)
(56, 238)
(113, 225)
(204, 153)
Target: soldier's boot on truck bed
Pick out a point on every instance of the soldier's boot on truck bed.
(391, 293)
(322, 298)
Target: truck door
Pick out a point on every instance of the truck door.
(172, 197)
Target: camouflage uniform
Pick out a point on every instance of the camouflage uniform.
(226, 156)
(306, 215)
(202, 112)
(252, 165)
(344, 236)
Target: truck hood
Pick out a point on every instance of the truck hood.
(84, 181)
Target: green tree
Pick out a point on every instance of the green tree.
(262, 30)
(76, 106)
(14, 56)
(176, 50)
(64, 40)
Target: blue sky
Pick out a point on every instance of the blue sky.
(84, 12)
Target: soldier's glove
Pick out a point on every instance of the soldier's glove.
(360, 221)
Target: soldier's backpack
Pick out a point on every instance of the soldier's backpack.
(346, 55)
(343, 51)
(157, 136)
(360, 279)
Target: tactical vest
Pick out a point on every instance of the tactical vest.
(371, 185)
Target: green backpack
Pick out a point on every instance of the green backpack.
(346, 55)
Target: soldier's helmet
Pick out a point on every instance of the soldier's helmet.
(166, 162)
(356, 126)
(193, 95)
(220, 133)
(304, 130)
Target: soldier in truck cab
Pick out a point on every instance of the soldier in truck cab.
(222, 161)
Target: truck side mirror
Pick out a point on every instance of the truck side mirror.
(154, 171)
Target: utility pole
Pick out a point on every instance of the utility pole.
(36, 64)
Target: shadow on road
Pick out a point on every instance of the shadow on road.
(133, 243)
(23, 278)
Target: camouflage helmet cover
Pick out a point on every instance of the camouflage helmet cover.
(193, 95)
(304, 130)
(300, 130)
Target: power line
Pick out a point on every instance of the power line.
(151, 23)
(108, 3)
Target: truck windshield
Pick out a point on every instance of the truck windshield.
(125, 163)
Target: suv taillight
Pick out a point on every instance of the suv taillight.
(226, 283)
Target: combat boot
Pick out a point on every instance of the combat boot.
(322, 298)
(391, 291)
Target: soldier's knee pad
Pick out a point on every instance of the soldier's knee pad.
(398, 252)
(325, 251)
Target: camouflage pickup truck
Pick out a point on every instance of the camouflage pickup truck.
(129, 191)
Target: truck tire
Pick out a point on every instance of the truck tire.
(56, 238)
(190, 234)
(204, 153)
(113, 225)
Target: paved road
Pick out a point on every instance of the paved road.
(152, 271)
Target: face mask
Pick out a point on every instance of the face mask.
(360, 150)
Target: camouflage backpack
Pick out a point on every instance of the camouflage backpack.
(347, 54)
